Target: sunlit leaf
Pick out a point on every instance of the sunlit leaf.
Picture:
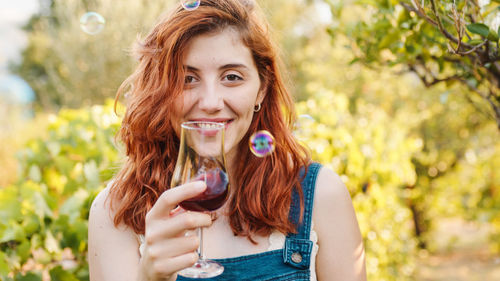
(4, 267)
(58, 273)
(30, 276)
(51, 244)
(478, 28)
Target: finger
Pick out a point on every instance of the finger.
(169, 199)
(176, 211)
(173, 247)
(158, 230)
(173, 265)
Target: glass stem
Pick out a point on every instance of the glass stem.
(200, 247)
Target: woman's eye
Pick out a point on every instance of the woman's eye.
(189, 79)
(232, 77)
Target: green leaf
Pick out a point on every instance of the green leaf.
(9, 205)
(30, 276)
(91, 172)
(51, 243)
(31, 224)
(23, 250)
(389, 39)
(479, 28)
(42, 257)
(58, 273)
(355, 60)
(34, 173)
(13, 232)
(4, 267)
(54, 148)
(72, 206)
(475, 41)
(492, 36)
(36, 241)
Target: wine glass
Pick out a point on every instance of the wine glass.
(201, 157)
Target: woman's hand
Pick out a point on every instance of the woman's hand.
(168, 249)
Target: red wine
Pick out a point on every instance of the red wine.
(214, 196)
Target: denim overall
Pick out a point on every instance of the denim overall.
(290, 263)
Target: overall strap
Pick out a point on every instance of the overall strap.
(298, 247)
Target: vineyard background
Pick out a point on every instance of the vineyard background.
(420, 159)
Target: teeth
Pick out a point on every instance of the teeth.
(208, 126)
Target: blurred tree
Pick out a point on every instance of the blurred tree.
(441, 42)
(449, 119)
(371, 152)
(298, 26)
(68, 67)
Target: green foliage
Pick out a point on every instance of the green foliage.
(15, 129)
(406, 153)
(67, 67)
(451, 121)
(472, 188)
(63, 171)
(43, 217)
(372, 154)
(441, 42)
(479, 28)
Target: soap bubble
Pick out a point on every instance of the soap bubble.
(190, 5)
(262, 143)
(303, 127)
(92, 23)
(443, 98)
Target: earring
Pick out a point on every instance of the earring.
(257, 108)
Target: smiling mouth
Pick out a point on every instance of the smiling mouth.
(211, 124)
(207, 128)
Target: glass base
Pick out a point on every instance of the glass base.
(202, 269)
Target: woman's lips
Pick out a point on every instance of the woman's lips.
(210, 130)
(226, 122)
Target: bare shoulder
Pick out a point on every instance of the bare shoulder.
(332, 201)
(329, 186)
(109, 246)
(101, 218)
(332, 204)
(101, 215)
(100, 209)
(341, 251)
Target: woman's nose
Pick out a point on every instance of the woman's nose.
(211, 99)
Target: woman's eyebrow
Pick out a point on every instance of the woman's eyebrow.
(191, 68)
(226, 66)
(233, 65)
(223, 67)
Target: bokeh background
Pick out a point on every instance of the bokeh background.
(384, 98)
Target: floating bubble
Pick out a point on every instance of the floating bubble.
(190, 5)
(303, 127)
(306, 118)
(262, 143)
(443, 98)
(92, 23)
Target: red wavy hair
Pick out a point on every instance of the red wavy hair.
(262, 187)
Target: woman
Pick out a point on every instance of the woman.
(217, 63)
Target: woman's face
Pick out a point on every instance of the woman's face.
(221, 85)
